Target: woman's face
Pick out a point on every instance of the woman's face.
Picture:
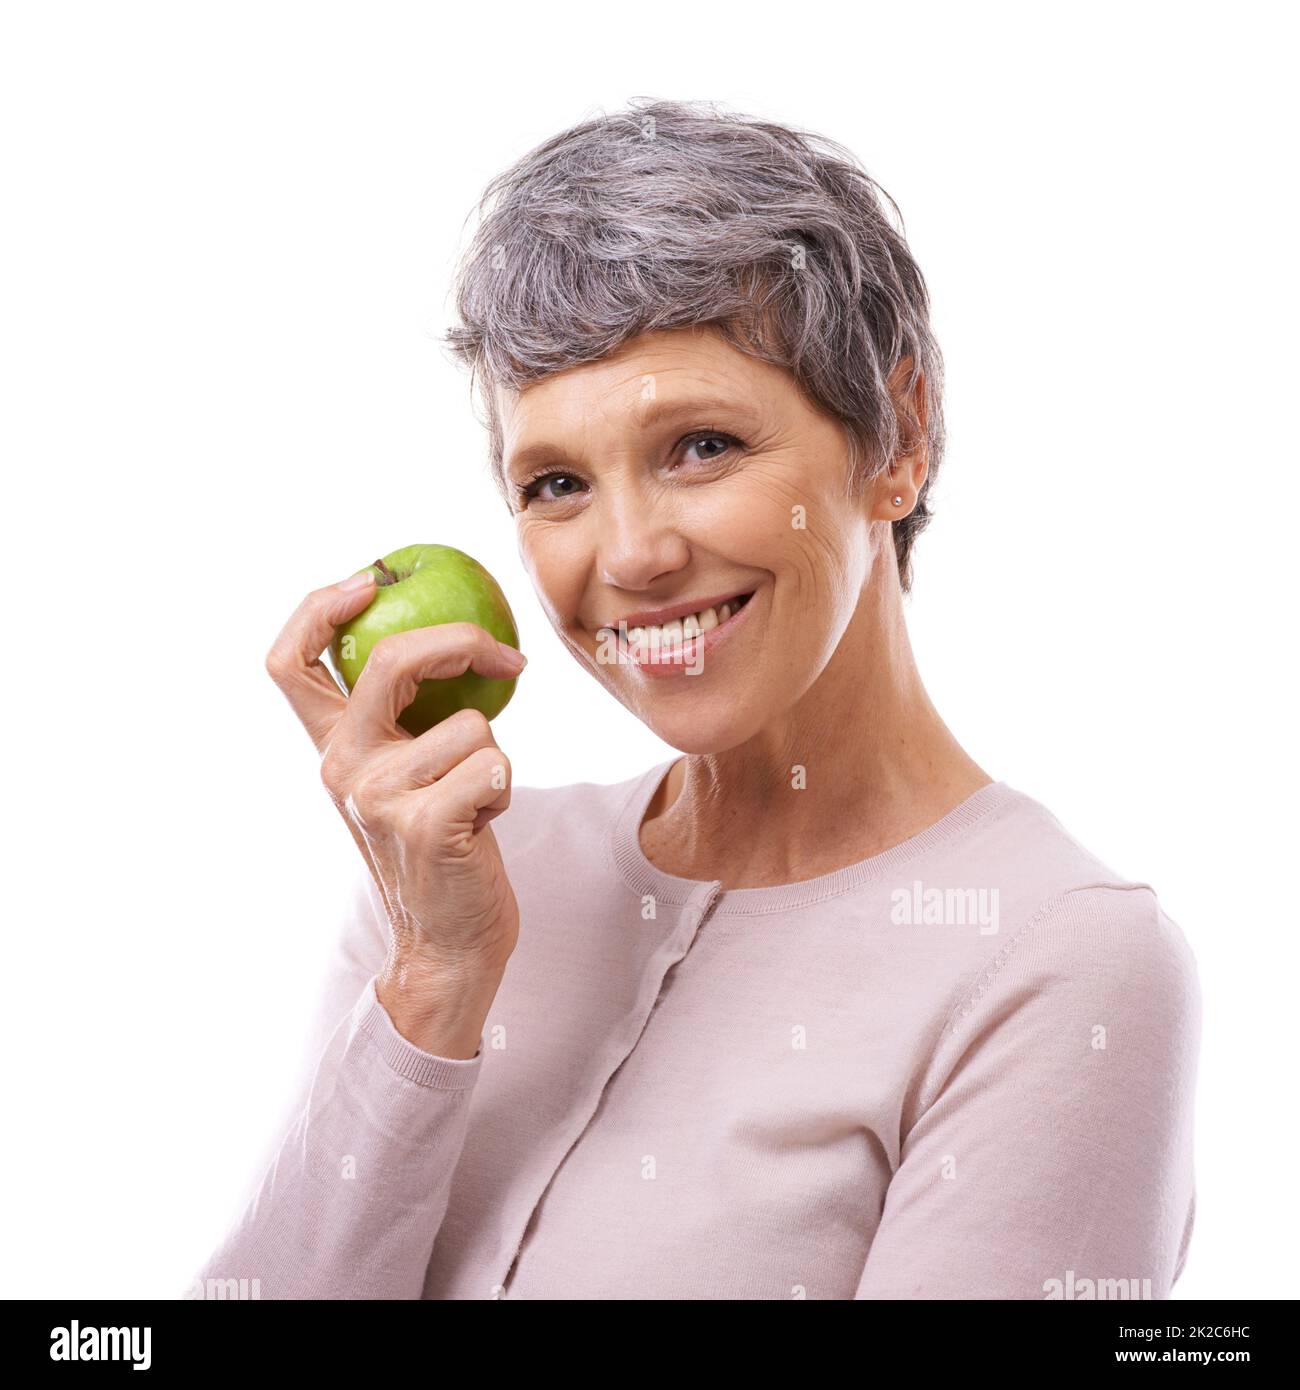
(670, 478)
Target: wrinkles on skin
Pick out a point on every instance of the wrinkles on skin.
(819, 674)
(417, 808)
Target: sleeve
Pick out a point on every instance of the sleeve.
(1051, 1153)
(352, 1195)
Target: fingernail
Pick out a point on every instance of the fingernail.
(514, 654)
(358, 581)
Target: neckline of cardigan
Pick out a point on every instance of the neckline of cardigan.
(647, 879)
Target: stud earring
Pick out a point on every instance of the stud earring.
(898, 501)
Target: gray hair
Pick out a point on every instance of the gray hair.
(674, 214)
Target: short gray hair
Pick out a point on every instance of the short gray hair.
(674, 214)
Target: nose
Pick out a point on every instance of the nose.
(637, 541)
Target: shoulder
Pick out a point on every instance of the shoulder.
(1101, 962)
(1022, 840)
(1074, 928)
(1117, 932)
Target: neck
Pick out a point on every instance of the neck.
(860, 763)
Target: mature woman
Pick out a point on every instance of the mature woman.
(818, 1009)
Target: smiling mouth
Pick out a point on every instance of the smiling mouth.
(664, 637)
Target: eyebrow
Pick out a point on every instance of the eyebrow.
(656, 412)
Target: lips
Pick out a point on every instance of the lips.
(679, 645)
(658, 617)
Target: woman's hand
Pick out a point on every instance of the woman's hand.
(418, 808)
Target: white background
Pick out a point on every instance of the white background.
(228, 239)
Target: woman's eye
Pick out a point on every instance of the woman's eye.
(712, 446)
(560, 485)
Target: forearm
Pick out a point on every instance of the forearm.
(352, 1202)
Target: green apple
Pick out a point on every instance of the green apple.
(422, 586)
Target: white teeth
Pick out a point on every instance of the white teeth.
(681, 630)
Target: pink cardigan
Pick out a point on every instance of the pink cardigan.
(963, 1068)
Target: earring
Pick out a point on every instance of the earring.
(898, 501)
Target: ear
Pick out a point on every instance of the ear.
(906, 474)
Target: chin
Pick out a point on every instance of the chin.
(703, 729)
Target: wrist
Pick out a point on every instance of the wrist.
(440, 1007)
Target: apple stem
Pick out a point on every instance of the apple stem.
(386, 575)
